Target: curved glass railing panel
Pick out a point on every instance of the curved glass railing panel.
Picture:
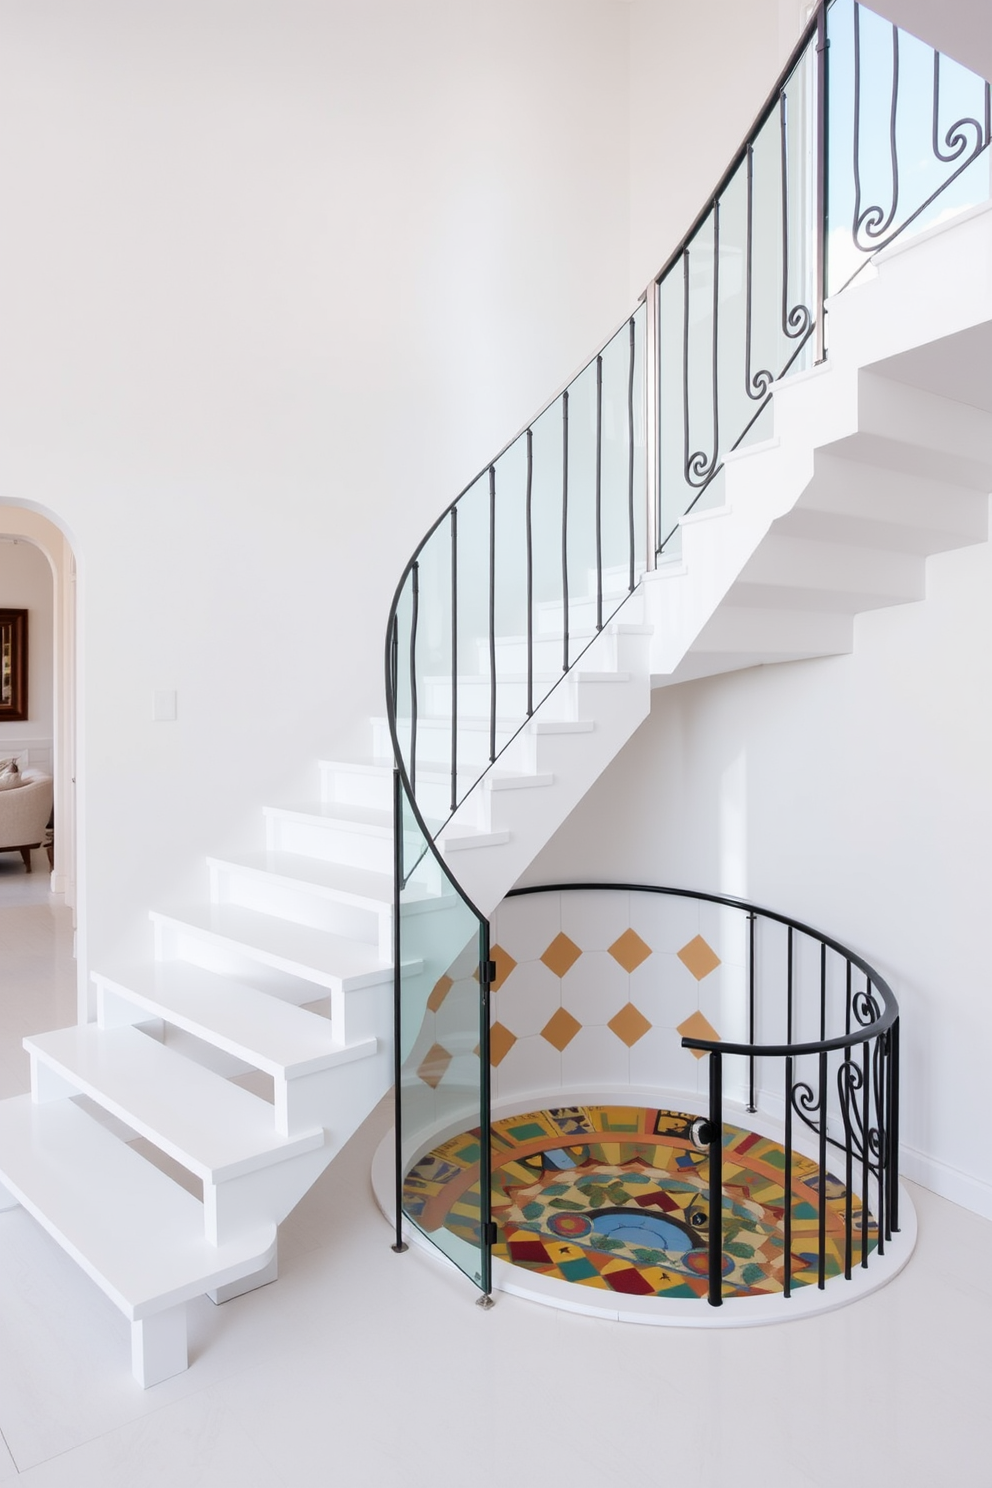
(442, 1052)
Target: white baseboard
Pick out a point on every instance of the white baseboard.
(961, 1188)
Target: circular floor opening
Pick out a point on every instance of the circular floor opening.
(605, 1208)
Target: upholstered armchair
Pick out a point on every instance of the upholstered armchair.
(24, 814)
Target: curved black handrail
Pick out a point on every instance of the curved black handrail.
(867, 1093)
(816, 1046)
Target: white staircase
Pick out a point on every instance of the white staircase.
(257, 1034)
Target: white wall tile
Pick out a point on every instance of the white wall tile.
(527, 998)
(594, 988)
(526, 925)
(595, 1056)
(532, 1067)
(594, 920)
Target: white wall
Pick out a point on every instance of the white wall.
(276, 279)
(698, 76)
(26, 584)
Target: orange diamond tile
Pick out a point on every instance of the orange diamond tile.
(630, 950)
(629, 1024)
(433, 1065)
(699, 958)
(441, 989)
(561, 954)
(696, 1026)
(560, 1029)
(504, 964)
(501, 1041)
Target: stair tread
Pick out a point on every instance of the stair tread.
(275, 1036)
(370, 817)
(214, 1128)
(357, 885)
(134, 1231)
(301, 949)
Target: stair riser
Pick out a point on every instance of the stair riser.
(531, 817)
(475, 700)
(177, 943)
(472, 744)
(583, 613)
(547, 655)
(340, 786)
(270, 895)
(329, 841)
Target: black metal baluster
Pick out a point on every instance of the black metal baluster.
(630, 452)
(715, 1297)
(847, 1001)
(848, 1144)
(893, 1087)
(394, 661)
(755, 383)
(530, 574)
(823, 990)
(821, 1273)
(750, 1014)
(884, 1233)
(787, 1180)
(492, 613)
(874, 220)
(798, 320)
(821, 145)
(599, 493)
(865, 1151)
(699, 469)
(414, 617)
(454, 658)
(789, 992)
(564, 530)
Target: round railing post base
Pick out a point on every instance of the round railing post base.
(399, 1247)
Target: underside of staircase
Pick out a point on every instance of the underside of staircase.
(257, 1034)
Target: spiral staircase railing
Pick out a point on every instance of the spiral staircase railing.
(868, 132)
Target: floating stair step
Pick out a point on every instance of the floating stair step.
(359, 836)
(265, 1032)
(137, 1234)
(316, 956)
(359, 886)
(351, 902)
(215, 1129)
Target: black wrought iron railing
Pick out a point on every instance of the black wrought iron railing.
(868, 133)
(820, 1047)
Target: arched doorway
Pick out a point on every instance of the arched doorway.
(37, 566)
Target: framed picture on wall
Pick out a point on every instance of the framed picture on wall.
(13, 666)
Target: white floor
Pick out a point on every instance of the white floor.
(364, 1369)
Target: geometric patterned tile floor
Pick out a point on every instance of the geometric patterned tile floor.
(617, 1198)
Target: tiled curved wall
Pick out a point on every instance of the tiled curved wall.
(595, 989)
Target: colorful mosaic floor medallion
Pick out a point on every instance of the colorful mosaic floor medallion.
(617, 1198)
